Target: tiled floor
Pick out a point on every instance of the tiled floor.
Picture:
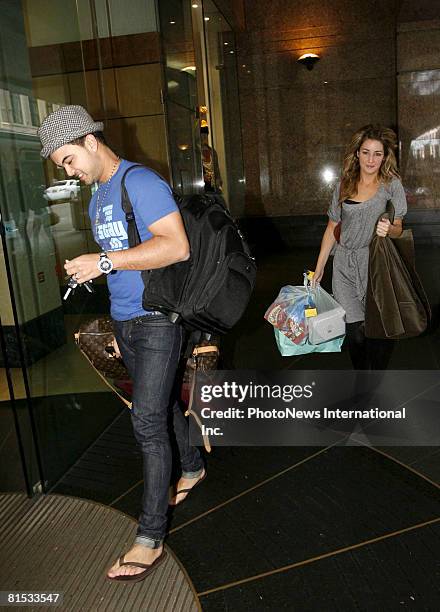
(299, 528)
(289, 528)
(271, 528)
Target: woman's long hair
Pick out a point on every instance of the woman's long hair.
(351, 169)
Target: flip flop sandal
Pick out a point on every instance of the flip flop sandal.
(188, 491)
(149, 568)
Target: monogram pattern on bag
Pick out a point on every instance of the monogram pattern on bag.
(93, 337)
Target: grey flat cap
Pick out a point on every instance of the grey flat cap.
(64, 125)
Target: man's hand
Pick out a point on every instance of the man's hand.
(116, 348)
(83, 268)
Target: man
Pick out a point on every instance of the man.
(150, 345)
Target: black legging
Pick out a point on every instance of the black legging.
(367, 353)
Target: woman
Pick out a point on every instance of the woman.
(369, 179)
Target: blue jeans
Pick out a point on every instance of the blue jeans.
(150, 346)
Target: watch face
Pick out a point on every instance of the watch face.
(105, 265)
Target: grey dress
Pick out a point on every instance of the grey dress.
(358, 224)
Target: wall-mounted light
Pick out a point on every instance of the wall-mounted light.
(328, 175)
(308, 60)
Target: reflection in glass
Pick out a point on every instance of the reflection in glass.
(181, 97)
(427, 144)
(44, 217)
(221, 146)
(425, 82)
(422, 169)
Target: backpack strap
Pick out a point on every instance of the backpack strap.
(132, 231)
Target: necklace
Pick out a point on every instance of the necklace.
(100, 200)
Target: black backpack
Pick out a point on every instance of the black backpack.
(210, 291)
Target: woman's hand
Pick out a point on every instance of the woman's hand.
(319, 273)
(383, 227)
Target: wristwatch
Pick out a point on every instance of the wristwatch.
(105, 265)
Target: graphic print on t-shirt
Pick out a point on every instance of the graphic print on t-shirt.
(111, 233)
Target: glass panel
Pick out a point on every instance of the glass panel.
(19, 181)
(17, 451)
(184, 148)
(221, 138)
(60, 402)
(179, 55)
(419, 96)
(180, 95)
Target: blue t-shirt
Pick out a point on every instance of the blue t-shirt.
(151, 199)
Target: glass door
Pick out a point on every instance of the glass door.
(202, 101)
(221, 138)
(53, 405)
(181, 96)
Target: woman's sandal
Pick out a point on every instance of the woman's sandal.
(149, 568)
